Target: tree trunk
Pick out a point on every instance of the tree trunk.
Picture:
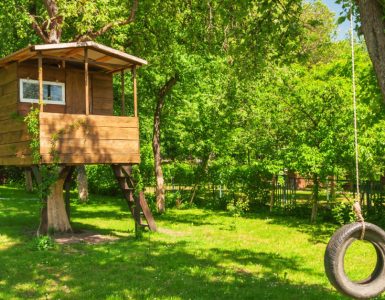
(373, 28)
(314, 209)
(28, 180)
(333, 188)
(82, 183)
(198, 177)
(43, 226)
(159, 191)
(56, 210)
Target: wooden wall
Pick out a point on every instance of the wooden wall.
(101, 91)
(89, 139)
(104, 139)
(14, 139)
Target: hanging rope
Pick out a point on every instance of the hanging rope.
(356, 206)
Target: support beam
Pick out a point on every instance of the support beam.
(40, 71)
(86, 81)
(135, 91)
(123, 100)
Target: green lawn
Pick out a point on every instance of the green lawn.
(198, 254)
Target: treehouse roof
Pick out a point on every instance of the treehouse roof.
(107, 58)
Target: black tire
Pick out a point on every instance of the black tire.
(334, 261)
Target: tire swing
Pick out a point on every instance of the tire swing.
(342, 239)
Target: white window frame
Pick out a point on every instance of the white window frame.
(46, 101)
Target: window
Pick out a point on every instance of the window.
(53, 92)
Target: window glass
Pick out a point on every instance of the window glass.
(53, 92)
(30, 90)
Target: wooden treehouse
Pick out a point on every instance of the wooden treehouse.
(71, 84)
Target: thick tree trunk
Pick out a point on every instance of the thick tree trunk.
(314, 209)
(159, 191)
(53, 215)
(56, 210)
(82, 183)
(373, 28)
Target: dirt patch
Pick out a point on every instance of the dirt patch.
(83, 237)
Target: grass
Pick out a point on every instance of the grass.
(198, 254)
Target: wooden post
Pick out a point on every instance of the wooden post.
(123, 100)
(40, 71)
(134, 91)
(86, 83)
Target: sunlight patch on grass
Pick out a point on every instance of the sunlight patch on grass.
(198, 254)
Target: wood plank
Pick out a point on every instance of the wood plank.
(8, 111)
(40, 74)
(17, 149)
(16, 161)
(25, 108)
(102, 90)
(92, 120)
(75, 100)
(14, 137)
(134, 89)
(102, 96)
(8, 74)
(82, 146)
(102, 104)
(86, 82)
(94, 158)
(12, 125)
(147, 212)
(50, 73)
(8, 99)
(11, 88)
(101, 112)
(102, 133)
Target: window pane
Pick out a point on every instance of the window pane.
(30, 90)
(53, 92)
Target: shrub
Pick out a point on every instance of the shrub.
(101, 180)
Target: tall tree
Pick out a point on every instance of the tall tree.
(370, 19)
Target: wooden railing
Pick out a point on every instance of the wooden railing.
(92, 139)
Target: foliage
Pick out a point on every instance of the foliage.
(262, 90)
(239, 208)
(101, 180)
(343, 213)
(43, 243)
(32, 122)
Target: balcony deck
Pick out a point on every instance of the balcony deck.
(73, 139)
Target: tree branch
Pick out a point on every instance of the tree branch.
(168, 86)
(52, 8)
(91, 35)
(37, 28)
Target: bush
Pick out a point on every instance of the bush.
(101, 180)
(43, 243)
(342, 213)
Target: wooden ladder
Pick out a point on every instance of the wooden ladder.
(138, 205)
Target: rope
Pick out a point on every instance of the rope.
(356, 206)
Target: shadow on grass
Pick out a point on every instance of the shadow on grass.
(145, 270)
(140, 269)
